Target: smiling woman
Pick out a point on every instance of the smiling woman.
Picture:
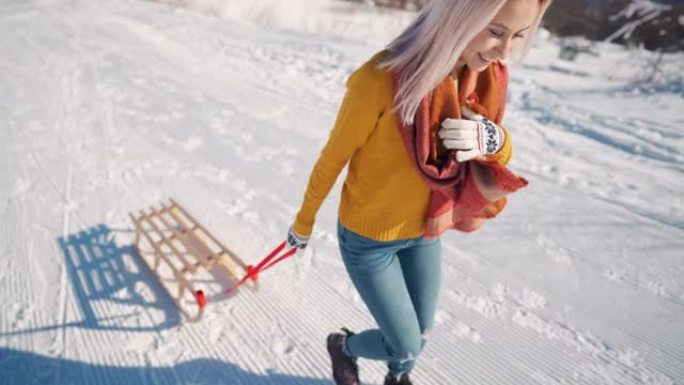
(501, 36)
(420, 126)
(448, 34)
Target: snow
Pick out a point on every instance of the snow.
(109, 107)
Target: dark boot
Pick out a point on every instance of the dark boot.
(344, 368)
(403, 380)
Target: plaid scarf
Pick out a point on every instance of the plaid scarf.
(463, 195)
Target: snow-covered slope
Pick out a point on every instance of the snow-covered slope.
(108, 107)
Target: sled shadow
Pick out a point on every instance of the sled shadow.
(112, 286)
(18, 367)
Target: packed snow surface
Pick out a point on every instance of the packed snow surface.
(110, 107)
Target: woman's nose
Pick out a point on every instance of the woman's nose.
(503, 49)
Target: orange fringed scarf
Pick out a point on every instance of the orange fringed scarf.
(462, 195)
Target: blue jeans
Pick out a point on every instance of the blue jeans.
(399, 283)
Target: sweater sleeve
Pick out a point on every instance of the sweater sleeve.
(503, 156)
(357, 117)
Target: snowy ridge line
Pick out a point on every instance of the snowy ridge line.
(239, 50)
(541, 356)
(493, 333)
(18, 289)
(258, 304)
(610, 355)
(62, 302)
(582, 342)
(676, 354)
(627, 359)
(549, 358)
(280, 322)
(634, 281)
(504, 334)
(22, 293)
(582, 123)
(286, 300)
(317, 362)
(238, 104)
(656, 217)
(585, 131)
(195, 334)
(252, 306)
(483, 358)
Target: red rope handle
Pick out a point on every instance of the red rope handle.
(290, 253)
(263, 265)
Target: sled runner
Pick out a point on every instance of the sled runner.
(176, 246)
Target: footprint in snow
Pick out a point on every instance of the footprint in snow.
(282, 347)
(192, 144)
(532, 300)
(462, 330)
(21, 314)
(218, 127)
(558, 256)
(327, 237)
(251, 217)
(132, 174)
(442, 317)
(71, 206)
(141, 344)
(21, 187)
(614, 276)
(237, 206)
(287, 169)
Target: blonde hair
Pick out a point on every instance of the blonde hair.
(425, 53)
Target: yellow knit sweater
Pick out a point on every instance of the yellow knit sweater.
(383, 197)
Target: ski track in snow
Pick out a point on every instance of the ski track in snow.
(110, 108)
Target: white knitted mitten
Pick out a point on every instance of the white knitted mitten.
(471, 137)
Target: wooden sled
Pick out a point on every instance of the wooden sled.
(176, 246)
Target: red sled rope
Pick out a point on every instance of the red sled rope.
(265, 264)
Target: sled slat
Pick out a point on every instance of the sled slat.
(169, 242)
(159, 253)
(216, 241)
(196, 236)
(205, 257)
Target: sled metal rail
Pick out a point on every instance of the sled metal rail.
(168, 238)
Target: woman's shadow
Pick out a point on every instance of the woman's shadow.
(17, 367)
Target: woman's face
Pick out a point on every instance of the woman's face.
(505, 32)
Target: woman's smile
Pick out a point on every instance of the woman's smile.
(483, 58)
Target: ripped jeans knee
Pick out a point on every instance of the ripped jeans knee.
(403, 361)
(424, 337)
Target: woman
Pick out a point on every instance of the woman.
(418, 127)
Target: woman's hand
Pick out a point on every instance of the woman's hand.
(296, 240)
(471, 137)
